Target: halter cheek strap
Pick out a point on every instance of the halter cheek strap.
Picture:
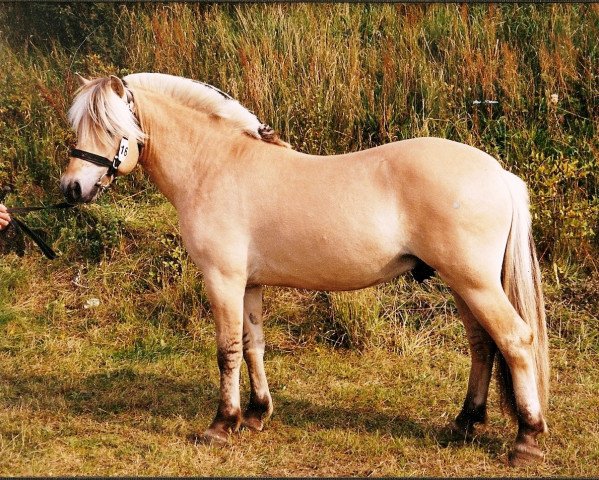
(91, 157)
(101, 161)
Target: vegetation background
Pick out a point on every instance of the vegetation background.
(107, 354)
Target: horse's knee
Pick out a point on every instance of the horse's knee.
(516, 347)
(229, 358)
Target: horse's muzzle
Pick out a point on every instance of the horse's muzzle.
(72, 192)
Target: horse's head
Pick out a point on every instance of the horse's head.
(108, 138)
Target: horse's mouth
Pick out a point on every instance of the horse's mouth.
(90, 197)
(94, 194)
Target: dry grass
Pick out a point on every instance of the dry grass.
(117, 388)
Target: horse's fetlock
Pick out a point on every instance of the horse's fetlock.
(470, 416)
(526, 449)
(227, 417)
(260, 404)
(478, 413)
(529, 428)
(258, 411)
(228, 413)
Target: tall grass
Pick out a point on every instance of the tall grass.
(331, 78)
(340, 77)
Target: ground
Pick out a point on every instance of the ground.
(83, 395)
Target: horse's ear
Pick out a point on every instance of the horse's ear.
(117, 85)
(82, 81)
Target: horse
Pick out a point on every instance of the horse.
(253, 212)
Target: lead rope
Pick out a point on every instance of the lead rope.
(20, 226)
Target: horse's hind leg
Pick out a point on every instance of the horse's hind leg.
(514, 339)
(260, 405)
(482, 353)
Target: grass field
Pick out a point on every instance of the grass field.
(107, 355)
(117, 389)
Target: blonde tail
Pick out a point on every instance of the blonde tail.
(521, 278)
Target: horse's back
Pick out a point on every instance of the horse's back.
(438, 154)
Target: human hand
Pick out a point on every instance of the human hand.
(4, 217)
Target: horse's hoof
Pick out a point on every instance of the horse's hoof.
(525, 454)
(460, 431)
(210, 437)
(252, 423)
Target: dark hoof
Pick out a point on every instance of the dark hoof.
(210, 437)
(252, 422)
(460, 431)
(525, 454)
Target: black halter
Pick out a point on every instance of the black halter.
(101, 161)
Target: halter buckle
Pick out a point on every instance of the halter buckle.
(105, 180)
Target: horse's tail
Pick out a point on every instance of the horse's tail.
(521, 278)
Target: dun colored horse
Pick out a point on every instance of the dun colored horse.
(255, 212)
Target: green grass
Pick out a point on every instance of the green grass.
(117, 389)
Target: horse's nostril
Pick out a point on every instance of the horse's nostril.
(72, 191)
(76, 191)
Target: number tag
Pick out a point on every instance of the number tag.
(123, 149)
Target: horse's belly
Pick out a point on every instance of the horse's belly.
(343, 243)
(345, 266)
(332, 281)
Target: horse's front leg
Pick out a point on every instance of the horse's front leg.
(226, 300)
(260, 405)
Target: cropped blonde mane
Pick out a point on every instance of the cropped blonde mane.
(98, 112)
(208, 99)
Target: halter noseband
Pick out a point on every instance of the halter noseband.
(101, 161)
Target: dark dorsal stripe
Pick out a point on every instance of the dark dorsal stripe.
(226, 95)
(265, 131)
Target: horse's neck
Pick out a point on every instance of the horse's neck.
(182, 146)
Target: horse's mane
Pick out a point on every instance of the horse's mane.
(208, 99)
(98, 111)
